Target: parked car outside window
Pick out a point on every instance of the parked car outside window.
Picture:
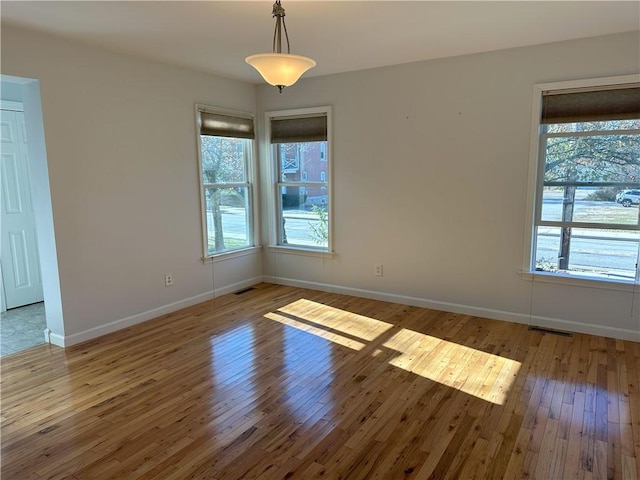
(628, 197)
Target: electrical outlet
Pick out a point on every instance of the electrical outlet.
(168, 280)
(378, 269)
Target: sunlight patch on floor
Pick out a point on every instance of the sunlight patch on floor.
(320, 332)
(472, 371)
(475, 372)
(350, 323)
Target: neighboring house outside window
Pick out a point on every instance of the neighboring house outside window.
(226, 144)
(301, 162)
(586, 219)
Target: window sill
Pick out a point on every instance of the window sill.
(301, 251)
(219, 257)
(587, 282)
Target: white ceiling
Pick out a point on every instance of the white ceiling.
(341, 36)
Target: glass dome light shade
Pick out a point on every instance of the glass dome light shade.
(280, 69)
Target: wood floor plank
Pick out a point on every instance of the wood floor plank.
(287, 383)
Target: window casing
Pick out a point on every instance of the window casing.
(587, 160)
(301, 160)
(225, 152)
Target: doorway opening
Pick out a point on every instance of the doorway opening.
(30, 303)
(22, 328)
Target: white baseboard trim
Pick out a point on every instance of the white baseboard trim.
(53, 338)
(554, 323)
(90, 334)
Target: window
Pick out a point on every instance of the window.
(225, 143)
(299, 148)
(587, 219)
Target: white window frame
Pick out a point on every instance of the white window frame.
(535, 187)
(250, 183)
(274, 199)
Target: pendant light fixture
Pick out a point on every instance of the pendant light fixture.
(277, 68)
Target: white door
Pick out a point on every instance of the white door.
(19, 245)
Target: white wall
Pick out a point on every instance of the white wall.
(121, 149)
(430, 179)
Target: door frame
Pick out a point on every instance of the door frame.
(41, 194)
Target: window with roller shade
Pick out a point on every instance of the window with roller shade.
(226, 144)
(586, 220)
(300, 155)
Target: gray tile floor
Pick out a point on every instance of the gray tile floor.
(22, 328)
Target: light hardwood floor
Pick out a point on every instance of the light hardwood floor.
(281, 382)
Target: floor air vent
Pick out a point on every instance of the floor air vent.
(240, 292)
(551, 331)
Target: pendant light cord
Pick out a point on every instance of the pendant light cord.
(636, 282)
(286, 35)
(278, 14)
